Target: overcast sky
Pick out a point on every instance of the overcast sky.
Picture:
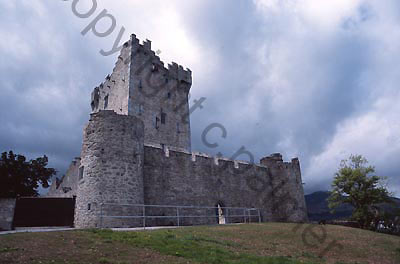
(313, 79)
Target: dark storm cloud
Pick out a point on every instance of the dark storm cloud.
(46, 83)
(235, 35)
(277, 80)
(325, 81)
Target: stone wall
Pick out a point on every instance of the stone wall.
(141, 86)
(7, 208)
(111, 171)
(289, 205)
(113, 93)
(179, 178)
(118, 171)
(67, 186)
(159, 97)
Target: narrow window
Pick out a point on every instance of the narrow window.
(156, 122)
(141, 109)
(140, 84)
(169, 95)
(178, 129)
(89, 206)
(163, 118)
(81, 171)
(105, 102)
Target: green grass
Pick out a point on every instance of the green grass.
(269, 243)
(194, 247)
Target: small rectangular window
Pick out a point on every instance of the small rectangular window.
(140, 109)
(105, 102)
(163, 118)
(81, 171)
(89, 206)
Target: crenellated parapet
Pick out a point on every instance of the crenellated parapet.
(173, 70)
(133, 48)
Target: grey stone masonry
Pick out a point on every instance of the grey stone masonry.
(179, 178)
(118, 170)
(7, 208)
(111, 169)
(68, 184)
(141, 86)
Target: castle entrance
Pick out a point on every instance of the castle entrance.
(221, 215)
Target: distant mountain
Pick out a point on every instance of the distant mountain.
(317, 207)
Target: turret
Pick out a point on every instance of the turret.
(111, 171)
(272, 161)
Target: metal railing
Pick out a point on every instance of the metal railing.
(245, 214)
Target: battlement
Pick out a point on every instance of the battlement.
(118, 82)
(173, 70)
(178, 72)
(273, 161)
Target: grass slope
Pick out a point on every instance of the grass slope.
(270, 243)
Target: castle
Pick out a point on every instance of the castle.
(137, 151)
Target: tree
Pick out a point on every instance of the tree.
(356, 184)
(19, 177)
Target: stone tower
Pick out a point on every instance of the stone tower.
(141, 86)
(111, 170)
(136, 150)
(287, 185)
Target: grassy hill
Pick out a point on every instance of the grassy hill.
(317, 207)
(273, 243)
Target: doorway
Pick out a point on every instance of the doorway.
(221, 214)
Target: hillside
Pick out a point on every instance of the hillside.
(317, 207)
(270, 243)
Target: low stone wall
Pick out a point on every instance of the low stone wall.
(7, 208)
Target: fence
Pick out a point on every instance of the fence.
(140, 215)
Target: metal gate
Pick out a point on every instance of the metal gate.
(44, 212)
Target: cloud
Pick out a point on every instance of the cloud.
(332, 84)
(314, 79)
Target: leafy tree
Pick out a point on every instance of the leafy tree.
(356, 184)
(19, 177)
